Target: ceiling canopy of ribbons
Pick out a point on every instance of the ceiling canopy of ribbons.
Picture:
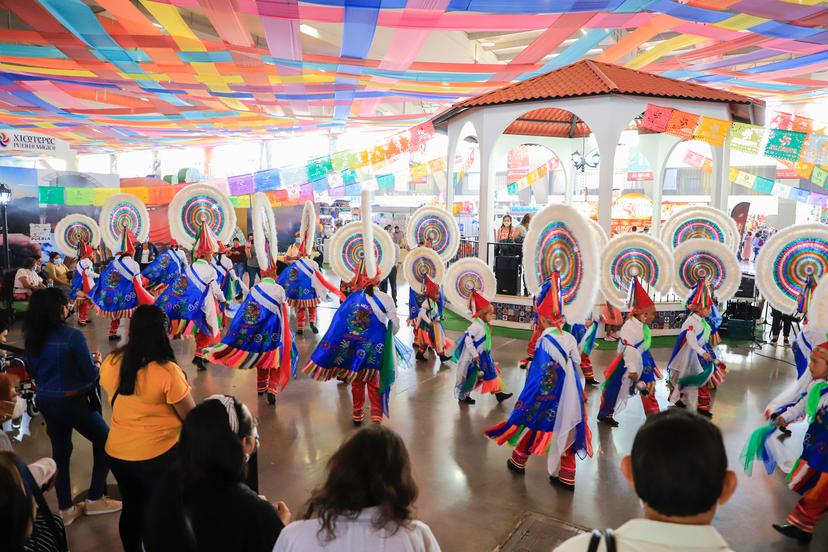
(119, 74)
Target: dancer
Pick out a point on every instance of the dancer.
(231, 285)
(260, 337)
(634, 370)
(585, 335)
(165, 268)
(192, 301)
(83, 282)
(550, 414)
(693, 366)
(428, 325)
(537, 330)
(476, 369)
(120, 288)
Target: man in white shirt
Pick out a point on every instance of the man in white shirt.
(666, 440)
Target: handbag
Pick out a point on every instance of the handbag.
(93, 397)
(48, 531)
(598, 535)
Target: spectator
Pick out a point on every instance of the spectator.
(204, 494)
(27, 280)
(252, 261)
(680, 491)
(66, 374)
(523, 227)
(365, 502)
(11, 407)
(149, 396)
(506, 232)
(145, 253)
(398, 236)
(57, 272)
(781, 322)
(634, 229)
(758, 242)
(391, 277)
(238, 257)
(747, 244)
(26, 522)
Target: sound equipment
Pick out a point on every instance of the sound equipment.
(506, 269)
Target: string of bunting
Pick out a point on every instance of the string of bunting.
(532, 176)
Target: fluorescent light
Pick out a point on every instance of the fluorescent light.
(308, 30)
(158, 25)
(304, 118)
(487, 44)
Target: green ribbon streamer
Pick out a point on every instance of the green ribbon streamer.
(812, 403)
(648, 338)
(387, 362)
(754, 446)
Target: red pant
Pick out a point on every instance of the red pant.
(533, 341)
(267, 380)
(649, 403)
(705, 399)
(83, 309)
(566, 472)
(586, 366)
(358, 394)
(810, 508)
(114, 324)
(202, 341)
(301, 316)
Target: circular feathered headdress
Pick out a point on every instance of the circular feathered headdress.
(123, 211)
(630, 255)
(818, 313)
(708, 260)
(786, 261)
(560, 239)
(201, 203)
(700, 223)
(264, 232)
(307, 228)
(466, 276)
(601, 238)
(437, 226)
(421, 262)
(345, 250)
(72, 230)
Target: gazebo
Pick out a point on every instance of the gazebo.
(559, 108)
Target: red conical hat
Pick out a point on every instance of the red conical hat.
(700, 297)
(85, 250)
(478, 304)
(552, 306)
(431, 288)
(127, 242)
(173, 243)
(206, 243)
(639, 300)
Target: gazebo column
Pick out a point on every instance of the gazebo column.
(657, 148)
(606, 171)
(724, 173)
(719, 154)
(486, 144)
(453, 141)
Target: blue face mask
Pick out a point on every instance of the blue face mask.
(298, 240)
(58, 261)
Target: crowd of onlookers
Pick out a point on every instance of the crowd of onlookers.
(187, 472)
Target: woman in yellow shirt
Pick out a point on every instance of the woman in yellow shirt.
(150, 396)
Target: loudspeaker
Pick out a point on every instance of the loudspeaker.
(507, 274)
(747, 287)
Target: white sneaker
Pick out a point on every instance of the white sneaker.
(70, 515)
(104, 505)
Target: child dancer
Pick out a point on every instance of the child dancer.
(165, 268)
(585, 334)
(120, 288)
(550, 415)
(260, 337)
(476, 369)
(634, 370)
(537, 330)
(428, 326)
(83, 282)
(192, 301)
(693, 366)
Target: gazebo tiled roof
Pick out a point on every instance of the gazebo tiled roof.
(589, 78)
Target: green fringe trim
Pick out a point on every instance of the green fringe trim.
(754, 446)
(813, 400)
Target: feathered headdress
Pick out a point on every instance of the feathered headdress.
(127, 246)
(369, 255)
(700, 297)
(307, 228)
(206, 243)
(551, 307)
(639, 300)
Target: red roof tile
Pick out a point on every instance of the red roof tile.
(590, 78)
(549, 121)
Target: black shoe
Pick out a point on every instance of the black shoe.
(608, 420)
(260, 393)
(785, 431)
(524, 363)
(793, 532)
(300, 332)
(555, 481)
(115, 337)
(271, 399)
(591, 381)
(198, 362)
(357, 422)
(513, 468)
(706, 413)
(680, 404)
(786, 342)
(502, 396)
(467, 400)
(444, 358)
(774, 339)
(421, 357)
(314, 329)
(82, 324)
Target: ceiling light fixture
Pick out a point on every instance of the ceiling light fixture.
(308, 30)
(487, 44)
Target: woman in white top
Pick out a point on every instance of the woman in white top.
(365, 502)
(26, 280)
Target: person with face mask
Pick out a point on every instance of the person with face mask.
(57, 271)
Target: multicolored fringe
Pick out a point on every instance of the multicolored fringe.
(756, 448)
(491, 386)
(116, 314)
(532, 442)
(804, 478)
(303, 303)
(440, 343)
(614, 368)
(181, 329)
(588, 341)
(347, 375)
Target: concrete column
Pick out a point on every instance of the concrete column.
(487, 183)
(156, 163)
(724, 173)
(113, 163)
(606, 170)
(208, 161)
(453, 141)
(718, 176)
